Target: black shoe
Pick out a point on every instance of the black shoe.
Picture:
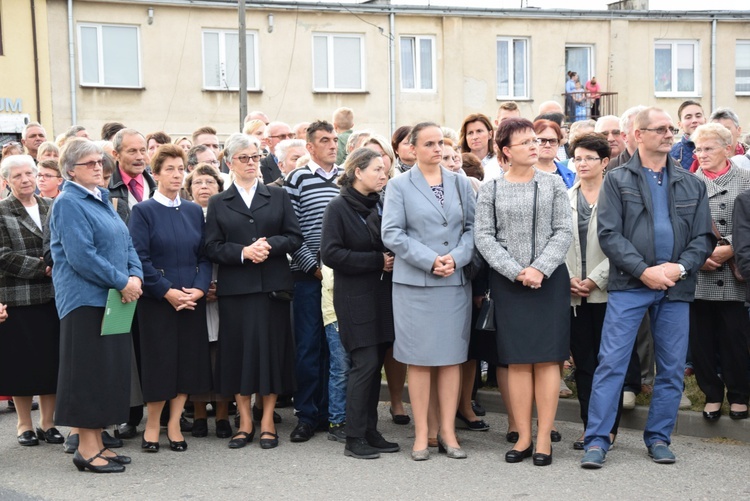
(399, 418)
(28, 438)
(337, 433)
(360, 449)
(241, 439)
(268, 443)
(322, 426)
(223, 428)
(83, 464)
(126, 430)
(200, 428)
(116, 458)
(511, 437)
(302, 432)
(540, 459)
(149, 446)
(555, 436)
(12, 405)
(185, 424)
(375, 439)
(712, 415)
(738, 414)
(578, 445)
(236, 419)
(477, 408)
(108, 441)
(478, 425)
(177, 445)
(516, 456)
(283, 401)
(232, 408)
(51, 436)
(71, 443)
(258, 415)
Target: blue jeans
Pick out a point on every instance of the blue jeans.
(670, 329)
(311, 368)
(338, 375)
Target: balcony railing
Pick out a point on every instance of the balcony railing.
(586, 105)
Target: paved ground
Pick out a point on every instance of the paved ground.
(706, 469)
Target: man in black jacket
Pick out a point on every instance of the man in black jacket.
(654, 225)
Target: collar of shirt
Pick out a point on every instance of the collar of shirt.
(165, 201)
(126, 178)
(247, 195)
(317, 169)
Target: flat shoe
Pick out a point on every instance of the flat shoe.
(478, 425)
(28, 438)
(511, 437)
(51, 436)
(268, 443)
(399, 418)
(200, 428)
(578, 445)
(177, 445)
(149, 446)
(738, 414)
(223, 428)
(540, 459)
(516, 456)
(555, 436)
(241, 439)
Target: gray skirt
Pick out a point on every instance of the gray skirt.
(432, 324)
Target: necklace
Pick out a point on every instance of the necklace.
(659, 176)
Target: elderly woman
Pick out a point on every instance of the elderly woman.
(550, 135)
(167, 233)
(476, 137)
(523, 230)
(93, 253)
(250, 229)
(29, 340)
(719, 325)
(352, 246)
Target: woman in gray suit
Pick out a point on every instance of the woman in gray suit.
(427, 223)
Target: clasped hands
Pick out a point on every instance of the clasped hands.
(530, 277)
(444, 266)
(661, 277)
(387, 262)
(185, 299)
(582, 288)
(720, 255)
(132, 290)
(258, 251)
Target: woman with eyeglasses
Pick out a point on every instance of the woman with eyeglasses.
(523, 229)
(250, 229)
(550, 135)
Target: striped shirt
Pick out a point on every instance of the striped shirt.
(310, 194)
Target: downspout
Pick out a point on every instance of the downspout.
(72, 57)
(392, 61)
(713, 64)
(36, 63)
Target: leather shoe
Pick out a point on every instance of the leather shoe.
(83, 464)
(555, 436)
(302, 432)
(738, 414)
(712, 415)
(28, 438)
(269, 443)
(516, 456)
(477, 408)
(116, 458)
(71, 443)
(149, 446)
(51, 436)
(177, 445)
(200, 428)
(258, 415)
(399, 418)
(185, 424)
(241, 439)
(478, 425)
(109, 441)
(223, 428)
(512, 437)
(540, 459)
(126, 430)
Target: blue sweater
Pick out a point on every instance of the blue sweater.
(91, 249)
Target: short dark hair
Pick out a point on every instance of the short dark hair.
(357, 159)
(398, 137)
(542, 125)
(558, 118)
(506, 129)
(315, 127)
(192, 155)
(203, 130)
(50, 164)
(476, 117)
(109, 130)
(685, 104)
(164, 152)
(592, 141)
(203, 170)
(160, 137)
(414, 134)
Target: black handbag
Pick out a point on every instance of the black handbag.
(486, 317)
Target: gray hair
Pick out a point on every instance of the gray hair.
(725, 114)
(14, 161)
(598, 127)
(576, 126)
(120, 137)
(282, 148)
(627, 118)
(30, 125)
(712, 130)
(47, 146)
(73, 150)
(72, 131)
(192, 156)
(238, 142)
(355, 137)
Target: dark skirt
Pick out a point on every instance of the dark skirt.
(174, 350)
(30, 348)
(533, 325)
(93, 387)
(256, 346)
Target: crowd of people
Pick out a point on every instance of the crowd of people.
(294, 264)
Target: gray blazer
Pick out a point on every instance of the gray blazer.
(418, 229)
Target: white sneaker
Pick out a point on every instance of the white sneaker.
(685, 402)
(628, 400)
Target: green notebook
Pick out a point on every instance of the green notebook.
(118, 316)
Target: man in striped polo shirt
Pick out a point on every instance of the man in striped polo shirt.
(311, 188)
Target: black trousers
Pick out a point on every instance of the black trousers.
(719, 331)
(363, 389)
(586, 323)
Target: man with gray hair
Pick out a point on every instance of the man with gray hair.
(729, 119)
(130, 182)
(628, 132)
(609, 127)
(32, 137)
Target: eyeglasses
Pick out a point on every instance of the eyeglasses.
(283, 136)
(662, 130)
(245, 158)
(707, 151)
(47, 176)
(529, 142)
(205, 182)
(586, 160)
(91, 165)
(550, 141)
(614, 132)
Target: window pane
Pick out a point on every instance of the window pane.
(251, 83)
(407, 63)
(577, 59)
(663, 68)
(231, 61)
(347, 63)
(120, 56)
(503, 72)
(320, 62)
(685, 68)
(211, 64)
(742, 68)
(89, 55)
(519, 68)
(425, 63)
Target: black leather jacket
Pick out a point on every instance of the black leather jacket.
(118, 189)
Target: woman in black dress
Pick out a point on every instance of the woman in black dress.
(250, 228)
(167, 233)
(351, 245)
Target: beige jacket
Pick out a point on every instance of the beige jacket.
(597, 263)
(329, 314)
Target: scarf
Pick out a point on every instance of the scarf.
(366, 206)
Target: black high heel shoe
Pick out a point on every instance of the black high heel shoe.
(149, 446)
(177, 445)
(540, 459)
(516, 456)
(84, 464)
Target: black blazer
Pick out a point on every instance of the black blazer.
(231, 226)
(269, 169)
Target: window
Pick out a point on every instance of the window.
(580, 58)
(676, 68)
(338, 63)
(512, 68)
(742, 68)
(221, 60)
(417, 63)
(109, 55)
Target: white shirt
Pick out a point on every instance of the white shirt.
(95, 193)
(165, 201)
(34, 213)
(317, 169)
(247, 195)
(492, 169)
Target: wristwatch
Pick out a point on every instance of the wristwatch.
(683, 272)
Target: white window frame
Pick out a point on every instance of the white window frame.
(330, 37)
(591, 60)
(696, 92)
(223, 56)
(100, 54)
(511, 68)
(416, 63)
(745, 43)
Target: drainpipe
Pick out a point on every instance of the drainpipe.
(72, 57)
(713, 64)
(392, 61)
(36, 63)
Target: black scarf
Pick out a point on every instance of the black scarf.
(366, 206)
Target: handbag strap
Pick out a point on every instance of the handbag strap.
(533, 221)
